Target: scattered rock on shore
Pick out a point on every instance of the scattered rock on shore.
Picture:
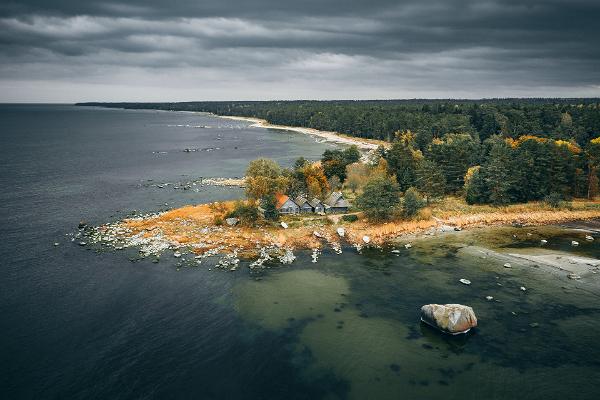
(449, 318)
(232, 221)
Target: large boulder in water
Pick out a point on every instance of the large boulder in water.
(449, 318)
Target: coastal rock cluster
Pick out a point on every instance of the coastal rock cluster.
(194, 184)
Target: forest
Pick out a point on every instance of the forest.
(496, 151)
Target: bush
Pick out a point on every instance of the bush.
(350, 218)
(412, 203)
(247, 213)
(554, 200)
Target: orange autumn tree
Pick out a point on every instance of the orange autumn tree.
(264, 178)
(316, 181)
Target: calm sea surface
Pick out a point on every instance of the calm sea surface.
(84, 324)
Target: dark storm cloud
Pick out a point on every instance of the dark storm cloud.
(318, 49)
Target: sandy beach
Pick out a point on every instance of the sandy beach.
(328, 136)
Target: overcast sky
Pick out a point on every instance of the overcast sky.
(178, 50)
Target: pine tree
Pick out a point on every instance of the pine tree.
(430, 180)
(269, 204)
(475, 186)
(380, 198)
(498, 174)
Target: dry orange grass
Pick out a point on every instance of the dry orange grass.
(194, 225)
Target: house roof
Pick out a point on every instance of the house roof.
(281, 199)
(300, 200)
(315, 202)
(342, 203)
(336, 199)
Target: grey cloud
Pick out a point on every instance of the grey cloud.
(374, 47)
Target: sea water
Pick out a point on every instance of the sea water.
(81, 323)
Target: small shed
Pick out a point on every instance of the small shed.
(336, 203)
(305, 206)
(317, 206)
(285, 205)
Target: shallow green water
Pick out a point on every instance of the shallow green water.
(353, 320)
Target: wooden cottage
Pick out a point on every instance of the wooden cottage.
(305, 206)
(285, 205)
(317, 206)
(336, 203)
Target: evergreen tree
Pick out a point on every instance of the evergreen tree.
(411, 203)
(475, 187)
(430, 180)
(403, 160)
(498, 173)
(455, 153)
(269, 204)
(380, 198)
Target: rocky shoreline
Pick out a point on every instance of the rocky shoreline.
(190, 235)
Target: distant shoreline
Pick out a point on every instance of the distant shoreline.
(328, 136)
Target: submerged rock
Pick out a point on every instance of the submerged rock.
(407, 246)
(449, 318)
(574, 243)
(465, 281)
(589, 238)
(543, 241)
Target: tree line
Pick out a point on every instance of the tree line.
(565, 119)
(488, 151)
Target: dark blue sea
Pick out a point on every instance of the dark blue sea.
(83, 323)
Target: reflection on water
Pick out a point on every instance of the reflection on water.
(356, 318)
